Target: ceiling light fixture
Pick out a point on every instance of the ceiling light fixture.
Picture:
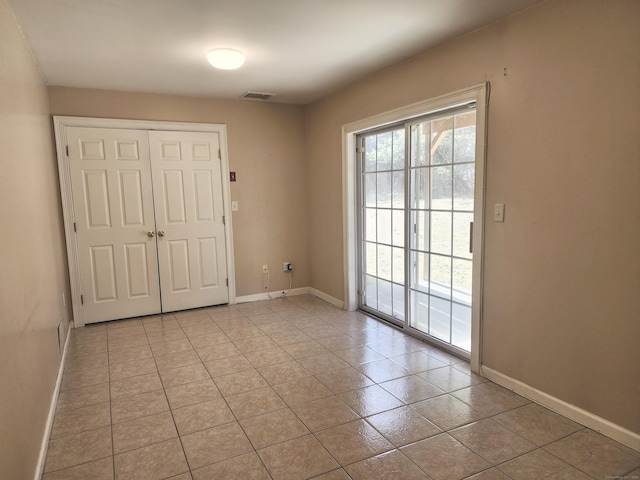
(225, 58)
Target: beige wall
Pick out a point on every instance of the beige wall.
(562, 273)
(33, 263)
(266, 150)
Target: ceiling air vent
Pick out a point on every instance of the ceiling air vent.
(257, 95)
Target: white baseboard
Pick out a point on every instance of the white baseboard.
(577, 414)
(277, 294)
(296, 291)
(327, 298)
(52, 410)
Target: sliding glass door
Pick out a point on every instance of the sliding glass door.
(416, 191)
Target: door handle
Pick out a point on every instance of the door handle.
(151, 234)
(161, 233)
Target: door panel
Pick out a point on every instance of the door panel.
(113, 204)
(178, 267)
(173, 198)
(382, 262)
(442, 209)
(131, 198)
(203, 195)
(104, 273)
(207, 248)
(137, 280)
(187, 180)
(96, 195)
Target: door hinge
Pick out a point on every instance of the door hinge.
(219, 155)
(74, 227)
(227, 282)
(82, 299)
(224, 222)
(67, 149)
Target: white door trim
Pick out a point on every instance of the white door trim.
(62, 122)
(477, 93)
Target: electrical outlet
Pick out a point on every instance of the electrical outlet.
(265, 268)
(287, 266)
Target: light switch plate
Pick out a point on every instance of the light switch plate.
(498, 212)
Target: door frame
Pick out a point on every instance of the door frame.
(480, 95)
(61, 123)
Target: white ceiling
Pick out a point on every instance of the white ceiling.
(298, 50)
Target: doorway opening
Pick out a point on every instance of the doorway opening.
(414, 183)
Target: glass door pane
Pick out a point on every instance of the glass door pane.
(441, 196)
(382, 235)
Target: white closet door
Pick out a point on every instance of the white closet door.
(187, 189)
(114, 220)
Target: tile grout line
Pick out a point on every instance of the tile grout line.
(164, 391)
(43, 473)
(306, 324)
(113, 448)
(221, 396)
(312, 433)
(255, 451)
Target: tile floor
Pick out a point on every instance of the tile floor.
(294, 388)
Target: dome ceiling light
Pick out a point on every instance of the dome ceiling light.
(225, 58)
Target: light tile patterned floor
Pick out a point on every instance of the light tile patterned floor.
(294, 388)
